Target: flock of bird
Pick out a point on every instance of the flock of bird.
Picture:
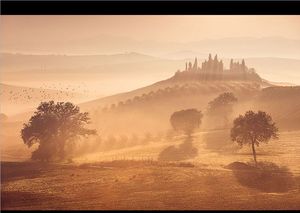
(57, 92)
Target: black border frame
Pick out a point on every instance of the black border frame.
(247, 7)
(213, 7)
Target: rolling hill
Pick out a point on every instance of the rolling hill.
(160, 99)
(131, 118)
(283, 103)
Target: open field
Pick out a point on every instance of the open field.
(144, 183)
(215, 149)
(133, 185)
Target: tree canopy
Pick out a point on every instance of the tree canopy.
(55, 127)
(3, 117)
(253, 129)
(186, 120)
(222, 102)
(222, 106)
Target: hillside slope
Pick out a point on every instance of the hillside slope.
(283, 103)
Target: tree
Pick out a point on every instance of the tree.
(253, 129)
(195, 66)
(55, 127)
(147, 138)
(231, 65)
(243, 65)
(186, 120)
(134, 139)
(112, 142)
(123, 140)
(190, 66)
(222, 106)
(3, 117)
(113, 106)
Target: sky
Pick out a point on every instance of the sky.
(167, 28)
(166, 37)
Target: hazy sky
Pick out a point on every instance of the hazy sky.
(167, 37)
(159, 28)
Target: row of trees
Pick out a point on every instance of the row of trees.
(237, 67)
(250, 75)
(154, 95)
(115, 142)
(213, 69)
(215, 65)
(212, 65)
(175, 91)
(252, 128)
(55, 127)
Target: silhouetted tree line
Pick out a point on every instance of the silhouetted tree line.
(55, 127)
(115, 142)
(174, 91)
(213, 69)
(212, 65)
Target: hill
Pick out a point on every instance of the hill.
(127, 71)
(148, 109)
(283, 103)
(39, 63)
(211, 71)
(145, 112)
(229, 47)
(100, 71)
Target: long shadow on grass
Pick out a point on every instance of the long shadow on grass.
(11, 171)
(28, 200)
(266, 176)
(184, 151)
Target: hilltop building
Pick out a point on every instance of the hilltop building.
(213, 69)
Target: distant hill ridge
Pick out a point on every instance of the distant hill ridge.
(237, 76)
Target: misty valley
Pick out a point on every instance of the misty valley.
(213, 135)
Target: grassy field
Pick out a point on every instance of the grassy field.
(137, 181)
(214, 149)
(133, 185)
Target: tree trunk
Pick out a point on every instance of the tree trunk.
(188, 138)
(254, 153)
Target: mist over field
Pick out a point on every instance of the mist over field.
(172, 121)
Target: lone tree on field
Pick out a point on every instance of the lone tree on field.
(55, 127)
(253, 129)
(186, 120)
(222, 105)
